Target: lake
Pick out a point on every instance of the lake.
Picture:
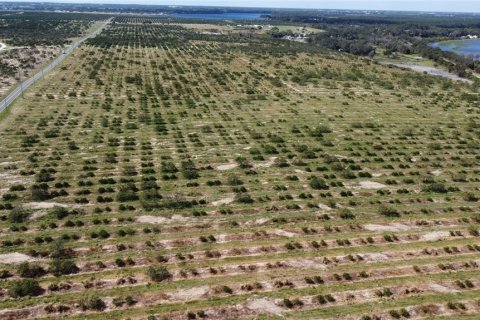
(220, 16)
(469, 48)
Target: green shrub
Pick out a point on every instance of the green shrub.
(60, 267)
(30, 270)
(318, 184)
(158, 273)
(25, 287)
(18, 215)
(92, 303)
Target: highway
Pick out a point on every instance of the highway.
(18, 91)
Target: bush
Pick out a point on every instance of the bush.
(23, 288)
(189, 171)
(44, 176)
(388, 212)
(243, 198)
(18, 215)
(234, 180)
(318, 184)
(345, 213)
(158, 273)
(40, 192)
(28, 270)
(92, 303)
(320, 130)
(60, 267)
(59, 212)
(470, 197)
(436, 187)
(126, 194)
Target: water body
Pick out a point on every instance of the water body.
(220, 16)
(469, 48)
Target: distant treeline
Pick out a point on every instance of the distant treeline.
(43, 28)
(125, 8)
(407, 33)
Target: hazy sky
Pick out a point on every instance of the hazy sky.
(406, 5)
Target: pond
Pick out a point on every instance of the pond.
(470, 48)
(220, 16)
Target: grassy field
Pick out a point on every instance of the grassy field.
(164, 173)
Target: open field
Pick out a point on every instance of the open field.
(165, 173)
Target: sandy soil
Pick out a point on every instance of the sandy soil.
(324, 207)
(44, 205)
(439, 288)
(391, 227)
(436, 235)
(14, 257)
(261, 221)
(190, 294)
(228, 166)
(14, 179)
(263, 305)
(432, 71)
(306, 263)
(37, 215)
(265, 164)
(222, 201)
(370, 185)
(284, 233)
(375, 257)
(160, 220)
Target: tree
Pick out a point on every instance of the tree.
(388, 211)
(92, 303)
(43, 176)
(60, 267)
(18, 215)
(29, 270)
(189, 171)
(25, 287)
(40, 192)
(318, 184)
(158, 273)
(58, 250)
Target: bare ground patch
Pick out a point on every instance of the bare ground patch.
(160, 220)
(391, 227)
(228, 166)
(263, 305)
(223, 201)
(435, 235)
(266, 164)
(190, 294)
(15, 257)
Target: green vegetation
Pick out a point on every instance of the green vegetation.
(167, 173)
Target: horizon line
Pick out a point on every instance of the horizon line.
(239, 7)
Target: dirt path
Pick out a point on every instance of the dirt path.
(432, 71)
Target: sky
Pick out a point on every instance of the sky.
(405, 5)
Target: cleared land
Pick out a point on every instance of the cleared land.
(163, 173)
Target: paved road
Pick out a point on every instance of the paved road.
(5, 103)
